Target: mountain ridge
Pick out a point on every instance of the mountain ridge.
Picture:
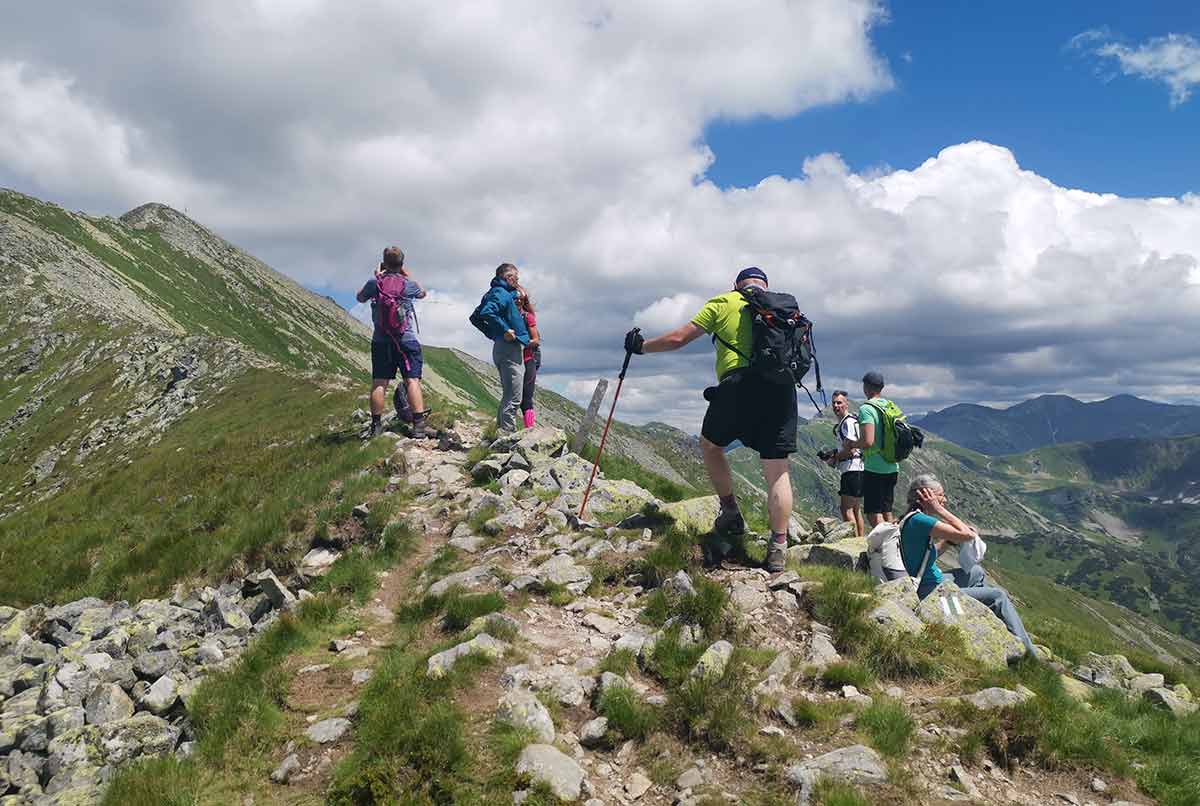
(1056, 419)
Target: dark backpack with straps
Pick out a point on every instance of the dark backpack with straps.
(782, 349)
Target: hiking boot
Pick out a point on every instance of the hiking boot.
(375, 429)
(729, 522)
(418, 428)
(776, 556)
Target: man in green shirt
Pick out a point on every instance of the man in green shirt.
(742, 406)
(879, 475)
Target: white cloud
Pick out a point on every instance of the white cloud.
(1173, 59)
(566, 138)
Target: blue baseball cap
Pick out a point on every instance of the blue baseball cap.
(752, 273)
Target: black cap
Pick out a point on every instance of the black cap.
(752, 273)
(874, 379)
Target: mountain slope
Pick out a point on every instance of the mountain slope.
(1055, 419)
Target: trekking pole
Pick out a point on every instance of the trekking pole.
(604, 437)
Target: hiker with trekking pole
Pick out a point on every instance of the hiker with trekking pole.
(763, 350)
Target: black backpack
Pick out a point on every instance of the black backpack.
(782, 349)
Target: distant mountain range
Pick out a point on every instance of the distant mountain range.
(1055, 419)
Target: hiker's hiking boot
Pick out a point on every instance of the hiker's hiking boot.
(418, 428)
(729, 521)
(375, 429)
(776, 556)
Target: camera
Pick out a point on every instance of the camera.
(825, 454)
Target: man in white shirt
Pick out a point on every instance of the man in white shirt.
(851, 464)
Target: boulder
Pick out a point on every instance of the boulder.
(544, 763)
(561, 569)
(991, 699)
(849, 553)
(468, 544)
(1165, 698)
(141, 735)
(521, 709)
(108, 703)
(1108, 671)
(224, 613)
(895, 611)
(820, 653)
(694, 514)
(286, 769)
(275, 590)
(593, 732)
(483, 644)
(987, 639)
(747, 598)
(479, 576)
(318, 562)
(856, 764)
(513, 519)
(1144, 682)
(714, 660)
(487, 470)
(328, 731)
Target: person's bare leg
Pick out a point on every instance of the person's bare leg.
(378, 395)
(779, 511)
(718, 467)
(875, 518)
(416, 400)
(779, 494)
(851, 508)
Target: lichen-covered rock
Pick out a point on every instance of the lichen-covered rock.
(544, 763)
(1107, 671)
(328, 731)
(141, 735)
(523, 710)
(714, 660)
(108, 703)
(987, 640)
(848, 553)
(694, 514)
(275, 590)
(487, 646)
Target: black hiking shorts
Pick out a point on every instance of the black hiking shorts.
(852, 484)
(761, 414)
(387, 359)
(879, 491)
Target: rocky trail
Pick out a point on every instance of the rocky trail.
(624, 672)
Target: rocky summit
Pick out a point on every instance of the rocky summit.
(217, 591)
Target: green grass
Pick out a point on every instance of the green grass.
(1116, 734)
(461, 610)
(672, 660)
(712, 709)
(627, 714)
(888, 725)
(618, 661)
(451, 367)
(672, 553)
(355, 571)
(615, 466)
(833, 793)
(138, 528)
(706, 608)
(847, 673)
(823, 715)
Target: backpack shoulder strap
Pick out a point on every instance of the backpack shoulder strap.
(924, 562)
(728, 346)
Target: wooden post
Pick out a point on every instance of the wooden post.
(589, 419)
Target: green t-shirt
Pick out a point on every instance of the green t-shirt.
(873, 461)
(722, 316)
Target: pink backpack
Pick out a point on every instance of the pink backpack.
(390, 306)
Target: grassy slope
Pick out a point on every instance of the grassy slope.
(230, 481)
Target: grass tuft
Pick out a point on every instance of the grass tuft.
(627, 714)
(847, 673)
(888, 725)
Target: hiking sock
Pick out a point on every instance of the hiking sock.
(779, 538)
(729, 501)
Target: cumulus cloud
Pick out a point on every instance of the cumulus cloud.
(1173, 59)
(566, 138)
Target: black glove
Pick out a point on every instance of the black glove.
(634, 341)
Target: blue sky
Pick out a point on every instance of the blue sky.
(1004, 73)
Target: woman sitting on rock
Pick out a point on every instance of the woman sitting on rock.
(928, 529)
